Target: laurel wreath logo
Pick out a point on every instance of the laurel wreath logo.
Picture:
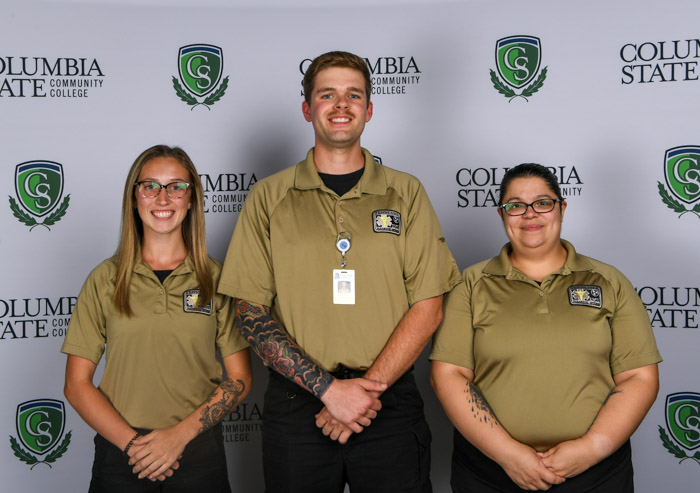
(192, 101)
(33, 460)
(675, 450)
(510, 93)
(674, 205)
(52, 219)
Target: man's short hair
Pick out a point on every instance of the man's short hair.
(341, 59)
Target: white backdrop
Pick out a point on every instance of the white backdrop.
(89, 85)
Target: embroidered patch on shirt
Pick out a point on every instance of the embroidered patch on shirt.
(189, 302)
(386, 221)
(586, 295)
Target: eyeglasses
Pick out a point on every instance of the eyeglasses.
(151, 189)
(519, 208)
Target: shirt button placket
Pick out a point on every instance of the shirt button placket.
(162, 305)
(338, 214)
(542, 305)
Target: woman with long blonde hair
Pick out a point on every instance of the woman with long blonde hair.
(153, 311)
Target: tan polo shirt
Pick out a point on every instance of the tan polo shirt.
(160, 364)
(544, 356)
(283, 253)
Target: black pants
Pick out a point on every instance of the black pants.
(472, 471)
(202, 469)
(392, 455)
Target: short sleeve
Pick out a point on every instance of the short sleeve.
(429, 268)
(86, 336)
(633, 343)
(247, 273)
(228, 339)
(454, 339)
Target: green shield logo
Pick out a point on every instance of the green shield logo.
(682, 171)
(683, 419)
(40, 424)
(518, 59)
(200, 67)
(39, 186)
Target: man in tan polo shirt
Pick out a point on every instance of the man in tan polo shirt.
(338, 266)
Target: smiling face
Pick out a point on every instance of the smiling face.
(532, 230)
(163, 215)
(339, 108)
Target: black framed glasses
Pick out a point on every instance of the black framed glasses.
(519, 208)
(151, 189)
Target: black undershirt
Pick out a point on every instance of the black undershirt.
(341, 184)
(162, 275)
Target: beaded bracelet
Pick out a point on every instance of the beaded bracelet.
(131, 442)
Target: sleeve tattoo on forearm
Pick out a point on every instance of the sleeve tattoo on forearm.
(479, 407)
(272, 343)
(214, 412)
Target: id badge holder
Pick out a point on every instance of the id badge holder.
(343, 287)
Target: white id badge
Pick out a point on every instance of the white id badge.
(343, 287)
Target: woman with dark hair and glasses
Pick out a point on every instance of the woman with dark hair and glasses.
(152, 309)
(545, 361)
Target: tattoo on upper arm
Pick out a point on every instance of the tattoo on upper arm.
(480, 407)
(216, 411)
(612, 392)
(272, 343)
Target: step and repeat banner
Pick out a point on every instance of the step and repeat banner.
(602, 93)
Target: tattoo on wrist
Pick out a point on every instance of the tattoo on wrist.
(480, 408)
(272, 343)
(216, 411)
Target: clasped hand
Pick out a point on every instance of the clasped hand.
(350, 405)
(526, 469)
(156, 454)
(572, 457)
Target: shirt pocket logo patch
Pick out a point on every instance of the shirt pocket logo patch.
(189, 303)
(586, 295)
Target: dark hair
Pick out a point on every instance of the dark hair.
(341, 59)
(530, 170)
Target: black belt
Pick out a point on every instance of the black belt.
(344, 373)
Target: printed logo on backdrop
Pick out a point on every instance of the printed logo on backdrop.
(389, 75)
(682, 173)
(660, 61)
(39, 189)
(681, 438)
(518, 63)
(671, 307)
(200, 67)
(40, 424)
(35, 318)
(40, 77)
(226, 192)
(479, 187)
(242, 423)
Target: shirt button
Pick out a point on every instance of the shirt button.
(161, 291)
(340, 220)
(340, 202)
(541, 294)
